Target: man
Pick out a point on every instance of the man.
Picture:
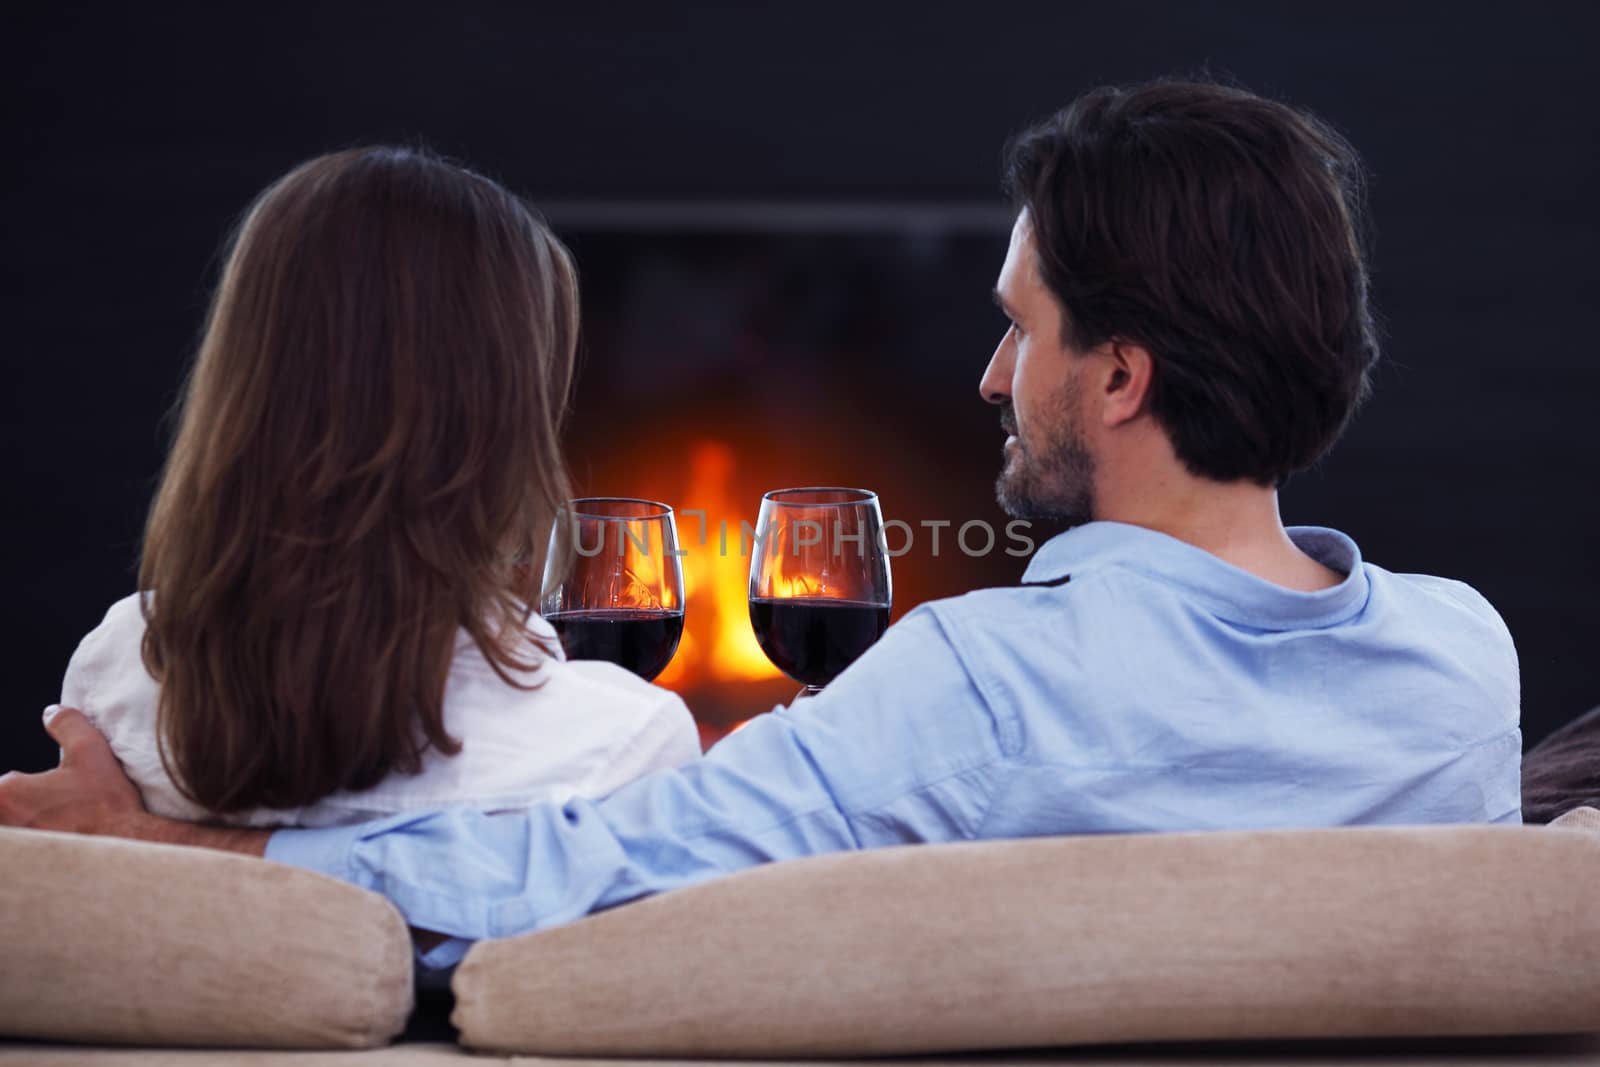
(1188, 326)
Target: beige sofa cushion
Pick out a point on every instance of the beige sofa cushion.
(1525, 1051)
(123, 942)
(1056, 941)
(403, 1055)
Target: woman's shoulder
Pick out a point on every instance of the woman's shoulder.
(587, 702)
(547, 680)
(108, 666)
(664, 732)
(107, 680)
(124, 618)
(557, 730)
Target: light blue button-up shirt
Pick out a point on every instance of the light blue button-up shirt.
(1138, 684)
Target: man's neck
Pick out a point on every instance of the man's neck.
(1237, 522)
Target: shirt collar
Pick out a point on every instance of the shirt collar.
(1227, 591)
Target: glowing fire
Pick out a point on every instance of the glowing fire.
(717, 641)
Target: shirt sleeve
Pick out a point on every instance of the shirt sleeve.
(899, 749)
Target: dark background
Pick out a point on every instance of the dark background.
(135, 136)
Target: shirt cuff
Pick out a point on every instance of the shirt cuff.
(326, 851)
(440, 961)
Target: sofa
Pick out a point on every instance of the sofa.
(1398, 944)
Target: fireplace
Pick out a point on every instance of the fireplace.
(729, 351)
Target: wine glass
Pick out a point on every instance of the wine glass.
(613, 582)
(819, 580)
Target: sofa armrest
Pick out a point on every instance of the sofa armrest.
(132, 943)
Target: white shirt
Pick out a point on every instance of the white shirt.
(589, 728)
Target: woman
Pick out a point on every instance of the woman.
(332, 621)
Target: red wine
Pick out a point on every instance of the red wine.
(812, 639)
(642, 641)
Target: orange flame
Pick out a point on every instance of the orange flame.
(718, 644)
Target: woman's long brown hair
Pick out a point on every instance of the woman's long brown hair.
(369, 437)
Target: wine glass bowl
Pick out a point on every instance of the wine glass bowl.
(820, 588)
(613, 583)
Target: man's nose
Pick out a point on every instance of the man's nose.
(995, 385)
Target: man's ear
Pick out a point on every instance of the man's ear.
(1128, 372)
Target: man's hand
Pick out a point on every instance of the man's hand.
(89, 794)
(86, 794)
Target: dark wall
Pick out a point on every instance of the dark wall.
(134, 136)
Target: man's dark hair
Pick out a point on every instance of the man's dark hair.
(1222, 232)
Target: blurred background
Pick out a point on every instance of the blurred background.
(787, 222)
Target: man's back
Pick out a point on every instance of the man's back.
(1161, 689)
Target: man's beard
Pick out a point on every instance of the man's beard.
(1053, 484)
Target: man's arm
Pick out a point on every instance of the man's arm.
(89, 794)
(901, 748)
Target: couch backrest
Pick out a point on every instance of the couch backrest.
(1274, 934)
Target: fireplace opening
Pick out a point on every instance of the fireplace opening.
(723, 358)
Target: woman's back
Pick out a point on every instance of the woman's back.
(580, 729)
